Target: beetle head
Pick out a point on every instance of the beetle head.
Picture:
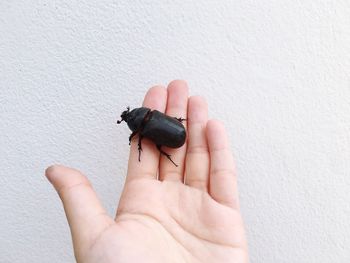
(124, 116)
(134, 118)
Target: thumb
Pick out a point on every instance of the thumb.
(85, 214)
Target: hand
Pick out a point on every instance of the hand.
(189, 214)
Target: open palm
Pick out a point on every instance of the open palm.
(188, 213)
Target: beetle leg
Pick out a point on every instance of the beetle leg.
(166, 154)
(131, 136)
(140, 147)
(180, 119)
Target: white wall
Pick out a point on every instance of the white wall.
(276, 72)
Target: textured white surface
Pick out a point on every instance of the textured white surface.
(276, 72)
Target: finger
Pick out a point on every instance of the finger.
(147, 167)
(85, 214)
(222, 181)
(176, 107)
(197, 157)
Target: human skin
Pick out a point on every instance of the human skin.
(188, 213)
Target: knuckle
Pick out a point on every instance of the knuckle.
(223, 172)
(199, 148)
(66, 189)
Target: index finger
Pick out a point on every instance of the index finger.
(147, 167)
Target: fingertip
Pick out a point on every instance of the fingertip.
(156, 88)
(60, 176)
(178, 83)
(50, 171)
(155, 98)
(178, 87)
(177, 97)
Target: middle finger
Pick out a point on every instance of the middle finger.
(176, 107)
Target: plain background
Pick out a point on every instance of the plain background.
(277, 73)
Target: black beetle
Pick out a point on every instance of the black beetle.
(161, 129)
